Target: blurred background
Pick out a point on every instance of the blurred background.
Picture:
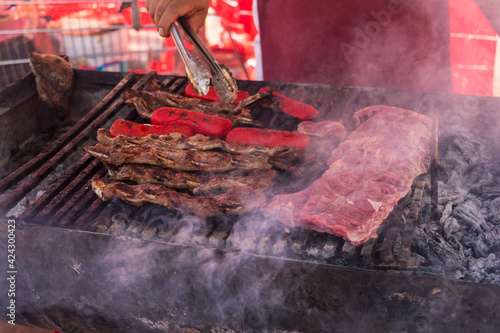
(116, 36)
(119, 36)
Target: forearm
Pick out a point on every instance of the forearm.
(491, 9)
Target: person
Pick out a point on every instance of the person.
(397, 44)
(165, 12)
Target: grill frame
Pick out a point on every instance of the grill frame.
(70, 202)
(348, 293)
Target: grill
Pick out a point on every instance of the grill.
(130, 269)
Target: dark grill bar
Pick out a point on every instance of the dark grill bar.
(65, 138)
(130, 269)
(62, 147)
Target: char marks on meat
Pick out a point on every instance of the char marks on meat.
(198, 183)
(181, 142)
(184, 160)
(367, 175)
(234, 201)
(146, 102)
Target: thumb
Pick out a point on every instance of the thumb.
(197, 20)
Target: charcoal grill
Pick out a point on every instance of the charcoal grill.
(88, 265)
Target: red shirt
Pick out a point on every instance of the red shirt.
(400, 44)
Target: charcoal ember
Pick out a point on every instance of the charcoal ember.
(490, 190)
(483, 270)
(469, 214)
(470, 157)
(494, 211)
(487, 243)
(436, 250)
(448, 222)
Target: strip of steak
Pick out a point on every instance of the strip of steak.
(199, 183)
(184, 160)
(235, 201)
(368, 173)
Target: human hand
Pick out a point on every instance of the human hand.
(165, 12)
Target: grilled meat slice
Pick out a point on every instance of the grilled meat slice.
(171, 140)
(146, 102)
(143, 174)
(235, 201)
(54, 82)
(185, 160)
(182, 142)
(262, 179)
(367, 175)
(199, 183)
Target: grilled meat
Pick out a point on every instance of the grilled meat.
(182, 142)
(143, 174)
(54, 82)
(323, 129)
(146, 102)
(171, 140)
(262, 179)
(234, 201)
(368, 173)
(185, 160)
(199, 183)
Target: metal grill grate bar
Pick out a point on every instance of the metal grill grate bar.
(49, 200)
(83, 131)
(52, 150)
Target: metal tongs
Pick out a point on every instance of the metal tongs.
(222, 79)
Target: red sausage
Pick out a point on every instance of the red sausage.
(198, 122)
(267, 138)
(212, 95)
(294, 108)
(125, 127)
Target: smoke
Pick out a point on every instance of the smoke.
(402, 45)
(223, 286)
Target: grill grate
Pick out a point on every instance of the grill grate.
(71, 203)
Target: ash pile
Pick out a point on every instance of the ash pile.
(461, 240)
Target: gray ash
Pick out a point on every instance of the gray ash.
(462, 239)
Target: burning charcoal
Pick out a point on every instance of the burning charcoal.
(484, 270)
(448, 222)
(494, 211)
(469, 156)
(487, 191)
(487, 242)
(469, 213)
(432, 246)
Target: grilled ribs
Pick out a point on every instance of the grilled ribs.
(199, 183)
(234, 201)
(184, 160)
(198, 142)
